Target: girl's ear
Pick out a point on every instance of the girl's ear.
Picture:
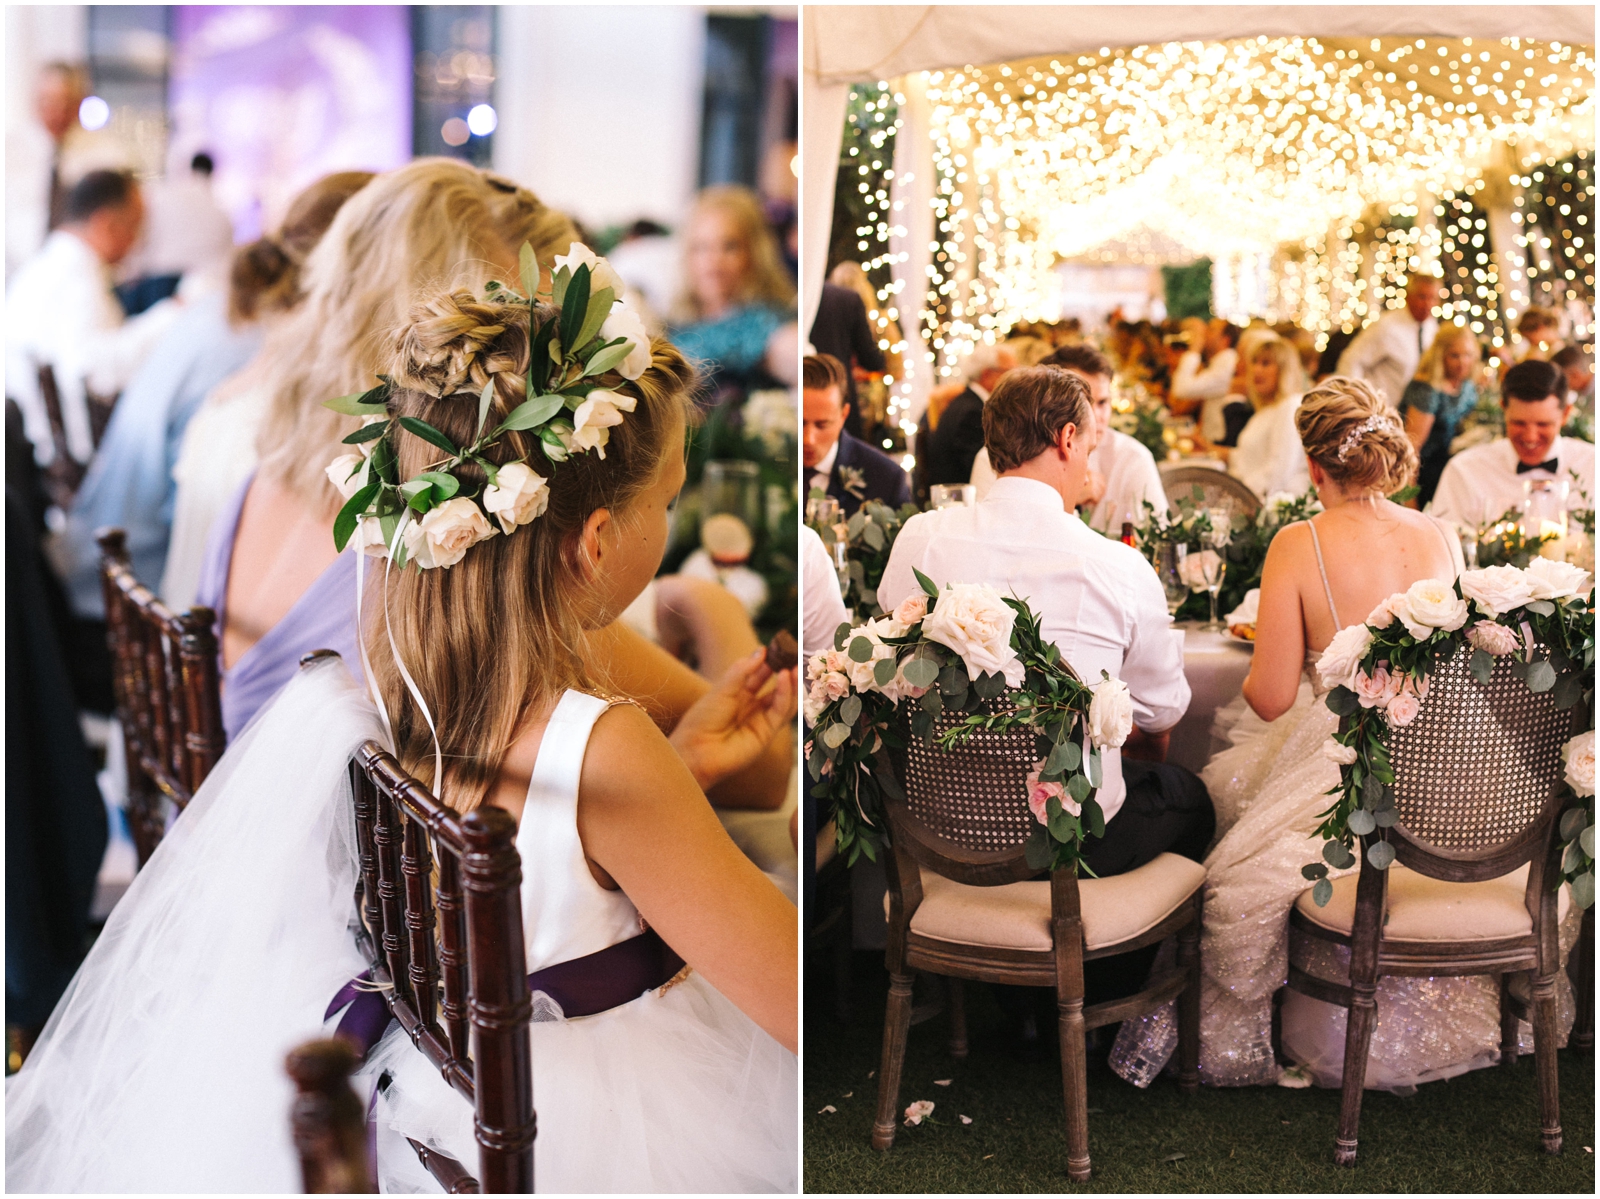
(591, 543)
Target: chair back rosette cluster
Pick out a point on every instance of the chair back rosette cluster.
(433, 518)
(1377, 675)
(945, 654)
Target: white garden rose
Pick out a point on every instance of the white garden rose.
(1339, 755)
(369, 537)
(1578, 754)
(601, 273)
(1432, 604)
(1497, 589)
(593, 421)
(973, 620)
(1110, 714)
(517, 496)
(1342, 659)
(446, 533)
(1383, 615)
(624, 322)
(349, 473)
(1553, 580)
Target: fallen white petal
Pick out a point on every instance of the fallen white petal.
(829, 1108)
(966, 1119)
(943, 1082)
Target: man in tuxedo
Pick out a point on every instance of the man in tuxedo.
(946, 451)
(1481, 483)
(848, 469)
(843, 331)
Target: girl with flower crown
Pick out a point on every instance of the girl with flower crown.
(1271, 785)
(500, 524)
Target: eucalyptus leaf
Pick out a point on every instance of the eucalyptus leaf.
(1093, 767)
(1380, 854)
(931, 701)
(1572, 858)
(1038, 851)
(1361, 822)
(1583, 889)
(1541, 676)
(1542, 607)
(922, 722)
(1386, 817)
(872, 534)
(1337, 855)
(1322, 892)
(860, 650)
(1095, 816)
(883, 670)
(835, 735)
(839, 634)
(1371, 793)
(1343, 701)
(1586, 840)
(1482, 666)
(1078, 787)
(1568, 690)
(1313, 871)
(1572, 822)
(921, 672)
(850, 709)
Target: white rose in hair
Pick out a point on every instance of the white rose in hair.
(600, 272)
(516, 496)
(624, 322)
(1497, 589)
(1553, 580)
(973, 620)
(446, 533)
(1342, 659)
(348, 472)
(1431, 604)
(593, 421)
(1578, 754)
(1110, 714)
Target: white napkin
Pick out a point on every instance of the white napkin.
(1245, 613)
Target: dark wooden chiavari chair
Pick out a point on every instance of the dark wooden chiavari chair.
(329, 1120)
(168, 692)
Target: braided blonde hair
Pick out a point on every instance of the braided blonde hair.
(1379, 457)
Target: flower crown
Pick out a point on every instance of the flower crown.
(1376, 421)
(428, 518)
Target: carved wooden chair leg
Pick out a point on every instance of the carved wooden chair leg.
(1508, 1024)
(1580, 969)
(1363, 1014)
(1189, 1004)
(958, 1017)
(329, 1120)
(896, 1026)
(1544, 1052)
(1074, 1084)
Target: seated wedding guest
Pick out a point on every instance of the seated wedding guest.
(130, 483)
(845, 467)
(1204, 374)
(1538, 335)
(823, 612)
(97, 350)
(843, 330)
(1578, 367)
(946, 454)
(1387, 351)
(1122, 474)
(1435, 402)
(187, 237)
(1098, 600)
(1480, 484)
(681, 1076)
(1268, 458)
(738, 298)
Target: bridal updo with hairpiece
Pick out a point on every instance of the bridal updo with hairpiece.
(1349, 431)
(505, 627)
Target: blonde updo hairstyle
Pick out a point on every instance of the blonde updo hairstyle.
(433, 224)
(504, 630)
(1380, 459)
(265, 275)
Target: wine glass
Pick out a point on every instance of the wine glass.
(1170, 559)
(822, 512)
(730, 511)
(1221, 524)
(952, 495)
(1210, 566)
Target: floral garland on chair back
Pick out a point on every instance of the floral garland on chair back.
(1377, 674)
(948, 653)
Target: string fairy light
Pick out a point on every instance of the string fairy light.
(1319, 158)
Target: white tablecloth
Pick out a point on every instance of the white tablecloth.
(1215, 665)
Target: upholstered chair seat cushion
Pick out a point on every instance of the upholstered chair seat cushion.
(1017, 915)
(1428, 909)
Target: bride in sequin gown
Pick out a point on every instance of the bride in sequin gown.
(1270, 786)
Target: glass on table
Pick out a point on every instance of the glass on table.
(1171, 557)
(730, 510)
(1206, 570)
(822, 512)
(1221, 516)
(952, 495)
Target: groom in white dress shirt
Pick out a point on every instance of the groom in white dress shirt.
(1480, 484)
(1097, 599)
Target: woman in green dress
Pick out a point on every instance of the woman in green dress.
(1443, 391)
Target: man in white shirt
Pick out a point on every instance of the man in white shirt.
(822, 603)
(1205, 372)
(186, 232)
(1480, 484)
(1387, 351)
(1098, 600)
(61, 313)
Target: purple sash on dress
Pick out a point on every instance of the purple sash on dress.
(586, 986)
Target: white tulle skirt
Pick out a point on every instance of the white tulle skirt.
(678, 1091)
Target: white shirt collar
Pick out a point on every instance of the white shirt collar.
(825, 467)
(978, 389)
(1019, 489)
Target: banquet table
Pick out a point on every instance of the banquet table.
(1215, 665)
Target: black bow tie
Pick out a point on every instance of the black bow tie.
(1550, 464)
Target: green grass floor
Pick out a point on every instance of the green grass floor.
(1476, 1133)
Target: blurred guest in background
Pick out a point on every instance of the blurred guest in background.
(130, 483)
(1122, 474)
(1387, 351)
(843, 330)
(1437, 399)
(1205, 371)
(187, 237)
(1538, 335)
(96, 350)
(738, 299)
(845, 467)
(47, 155)
(1575, 363)
(947, 450)
(1269, 458)
(1480, 484)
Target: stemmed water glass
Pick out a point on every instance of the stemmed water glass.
(1212, 566)
(1170, 559)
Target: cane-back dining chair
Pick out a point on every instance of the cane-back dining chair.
(1478, 795)
(964, 903)
(328, 1120)
(440, 924)
(1216, 487)
(168, 693)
